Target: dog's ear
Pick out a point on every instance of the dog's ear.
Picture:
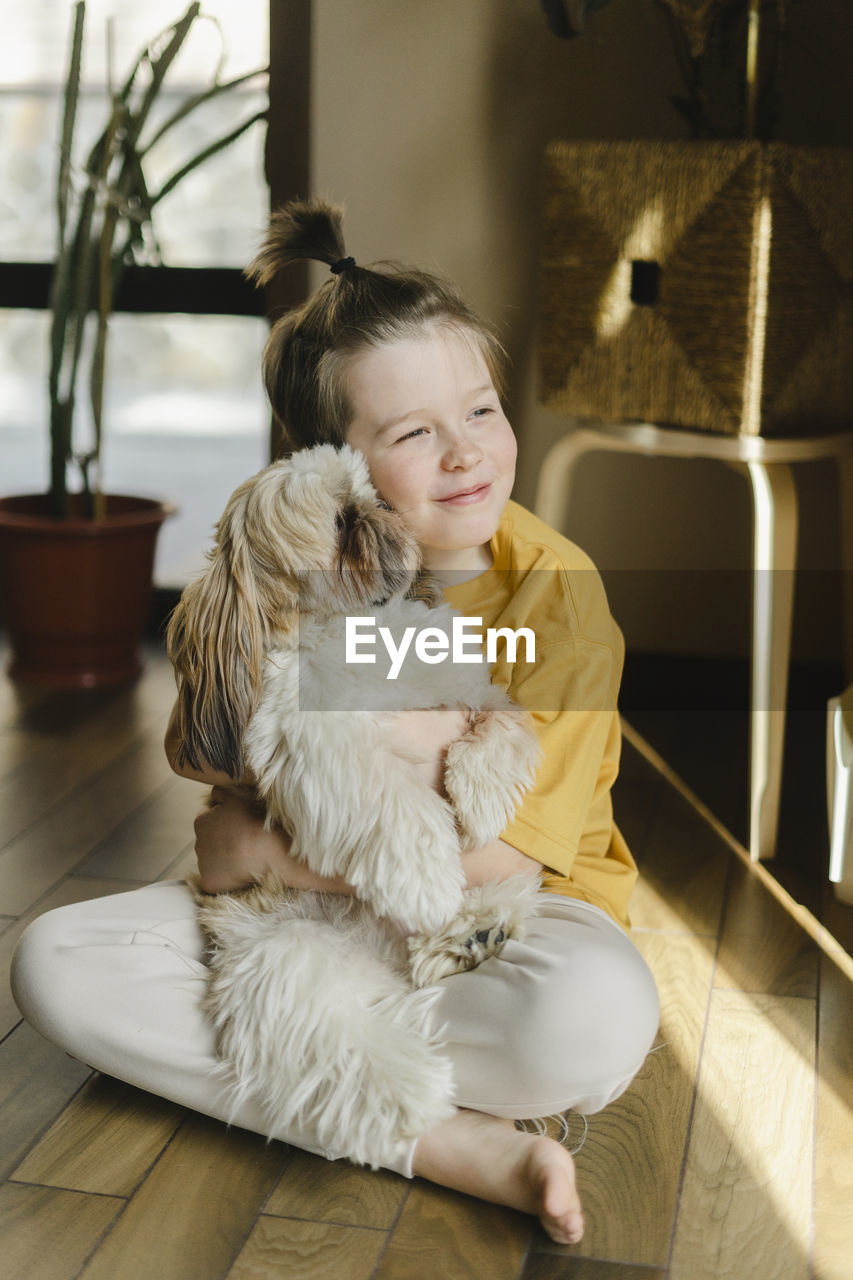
(216, 639)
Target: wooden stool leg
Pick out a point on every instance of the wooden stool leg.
(553, 488)
(845, 489)
(839, 776)
(774, 562)
(839, 762)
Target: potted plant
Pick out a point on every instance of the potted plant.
(76, 563)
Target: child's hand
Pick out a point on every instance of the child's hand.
(424, 736)
(234, 850)
(231, 846)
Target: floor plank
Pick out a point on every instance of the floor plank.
(75, 737)
(747, 1184)
(17, 749)
(184, 864)
(711, 754)
(151, 837)
(97, 804)
(193, 1212)
(337, 1191)
(550, 1266)
(62, 838)
(70, 1227)
(762, 948)
(305, 1250)
(834, 1135)
(630, 1164)
(441, 1233)
(36, 1081)
(683, 869)
(636, 796)
(16, 700)
(104, 1142)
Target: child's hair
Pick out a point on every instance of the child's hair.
(358, 309)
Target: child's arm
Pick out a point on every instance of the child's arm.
(497, 860)
(232, 847)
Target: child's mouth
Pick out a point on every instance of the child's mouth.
(465, 497)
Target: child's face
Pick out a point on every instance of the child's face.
(440, 450)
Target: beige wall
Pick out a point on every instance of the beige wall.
(429, 121)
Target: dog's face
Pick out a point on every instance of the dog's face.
(309, 535)
(318, 536)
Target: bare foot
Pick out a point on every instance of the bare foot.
(491, 1159)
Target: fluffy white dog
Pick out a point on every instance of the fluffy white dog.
(323, 1003)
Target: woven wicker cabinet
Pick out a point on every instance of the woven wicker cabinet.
(704, 285)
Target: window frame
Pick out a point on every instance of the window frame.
(212, 290)
(217, 291)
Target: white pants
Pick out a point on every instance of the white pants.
(563, 1019)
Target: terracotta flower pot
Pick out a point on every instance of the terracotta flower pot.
(75, 595)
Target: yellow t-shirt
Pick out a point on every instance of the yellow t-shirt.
(543, 582)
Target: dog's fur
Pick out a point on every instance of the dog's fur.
(322, 1004)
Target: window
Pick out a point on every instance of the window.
(185, 413)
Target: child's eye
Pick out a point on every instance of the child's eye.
(483, 411)
(410, 435)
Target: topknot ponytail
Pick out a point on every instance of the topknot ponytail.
(301, 229)
(308, 350)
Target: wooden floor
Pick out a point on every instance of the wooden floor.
(730, 1156)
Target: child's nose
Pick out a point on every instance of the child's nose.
(461, 451)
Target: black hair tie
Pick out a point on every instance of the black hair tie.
(342, 264)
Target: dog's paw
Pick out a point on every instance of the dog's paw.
(432, 958)
(491, 914)
(486, 942)
(487, 772)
